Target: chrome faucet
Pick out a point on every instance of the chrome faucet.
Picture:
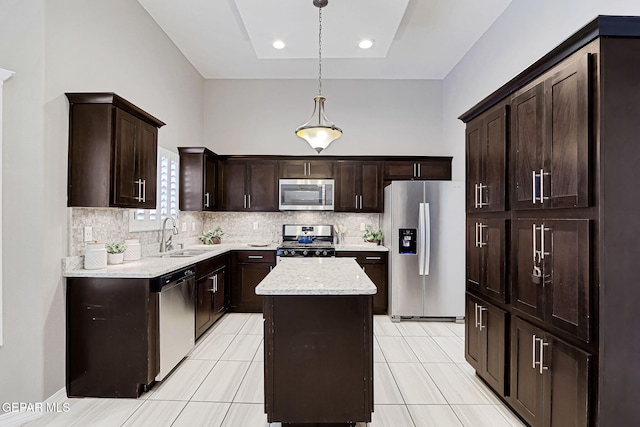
(167, 245)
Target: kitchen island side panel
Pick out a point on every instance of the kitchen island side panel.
(318, 358)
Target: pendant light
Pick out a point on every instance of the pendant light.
(319, 131)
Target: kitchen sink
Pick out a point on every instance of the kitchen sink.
(185, 253)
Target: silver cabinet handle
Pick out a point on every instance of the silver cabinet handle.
(542, 251)
(213, 284)
(475, 195)
(481, 202)
(309, 169)
(534, 199)
(533, 351)
(373, 257)
(481, 242)
(542, 346)
(271, 268)
(542, 174)
(245, 201)
(139, 196)
(476, 315)
(535, 244)
(216, 282)
(305, 168)
(481, 310)
(356, 201)
(364, 269)
(361, 201)
(249, 198)
(206, 200)
(144, 190)
(419, 170)
(415, 171)
(477, 234)
(255, 256)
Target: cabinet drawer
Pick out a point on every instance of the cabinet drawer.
(256, 256)
(373, 257)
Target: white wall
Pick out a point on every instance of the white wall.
(62, 46)
(377, 116)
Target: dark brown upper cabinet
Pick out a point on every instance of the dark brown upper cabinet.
(486, 140)
(113, 149)
(358, 186)
(551, 139)
(433, 168)
(198, 176)
(309, 169)
(248, 185)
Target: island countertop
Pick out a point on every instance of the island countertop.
(316, 276)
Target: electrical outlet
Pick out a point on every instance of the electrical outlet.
(255, 225)
(363, 226)
(88, 233)
(184, 226)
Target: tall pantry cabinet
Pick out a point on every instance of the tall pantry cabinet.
(553, 252)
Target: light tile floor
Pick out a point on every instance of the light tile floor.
(420, 379)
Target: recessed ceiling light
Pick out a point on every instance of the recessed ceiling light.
(279, 44)
(365, 44)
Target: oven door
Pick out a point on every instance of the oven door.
(306, 194)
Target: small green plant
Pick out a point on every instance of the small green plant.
(210, 237)
(116, 247)
(372, 235)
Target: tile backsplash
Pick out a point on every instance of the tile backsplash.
(112, 224)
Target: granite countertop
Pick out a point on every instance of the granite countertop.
(155, 266)
(316, 276)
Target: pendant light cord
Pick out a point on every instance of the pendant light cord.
(320, 51)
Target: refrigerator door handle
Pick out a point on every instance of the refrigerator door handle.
(424, 233)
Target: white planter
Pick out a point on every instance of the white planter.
(95, 256)
(133, 252)
(115, 258)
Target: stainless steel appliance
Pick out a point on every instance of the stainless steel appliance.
(177, 318)
(306, 241)
(423, 226)
(306, 194)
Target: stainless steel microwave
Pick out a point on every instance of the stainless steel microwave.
(306, 194)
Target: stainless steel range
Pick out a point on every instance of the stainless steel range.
(306, 241)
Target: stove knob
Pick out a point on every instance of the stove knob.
(324, 253)
(317, 253)
(286, 252)
(305, 252)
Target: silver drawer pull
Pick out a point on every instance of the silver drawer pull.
(373, 257)
(255, 256)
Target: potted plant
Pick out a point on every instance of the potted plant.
(115, 252)
(212, 237)
(372, 236)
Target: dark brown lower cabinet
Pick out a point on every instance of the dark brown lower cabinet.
(211, 292)
(112, 330)
(485, 341)
(248, 269)
(549, 378)
(374, 264)
(318, 359)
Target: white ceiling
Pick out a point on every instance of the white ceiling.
(413, 39)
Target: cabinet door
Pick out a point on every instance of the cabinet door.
(293, 169)
(492, 192)
(219, 297)
(400, 170)
(126, 191)
(204, 292)
(472, 346)
(493, 241)
(527, 288)
(209, 196)
(474, 162)
(346, 190)
(262, 191)
(378, 274)
(566, 384)
(493, 326)
(527, 130)
(147, 162)
(526, 381)
(248, 277)
(232, 175)
(371, 191)
(567, 279)
(474, 256)
(311, 169)
(567, 135)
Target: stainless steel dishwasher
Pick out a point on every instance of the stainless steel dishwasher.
(177, 317)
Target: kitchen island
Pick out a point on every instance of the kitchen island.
(318, 342)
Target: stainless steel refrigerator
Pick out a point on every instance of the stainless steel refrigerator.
(424, 229)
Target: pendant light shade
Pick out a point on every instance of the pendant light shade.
(319, 131)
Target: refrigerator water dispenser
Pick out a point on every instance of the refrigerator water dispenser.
(407, 244)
